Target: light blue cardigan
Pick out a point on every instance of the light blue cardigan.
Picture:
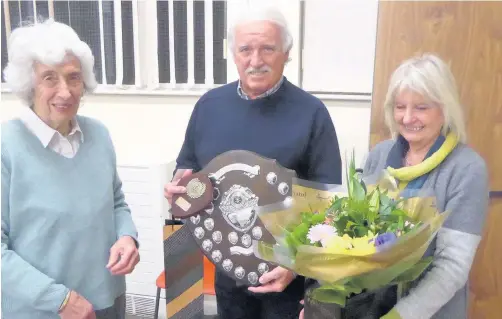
(60, 217)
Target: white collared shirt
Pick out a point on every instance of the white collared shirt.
(269, 92)
(49, 137)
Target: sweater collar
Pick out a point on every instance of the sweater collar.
(269, 92)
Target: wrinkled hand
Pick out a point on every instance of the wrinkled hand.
(123, 256)
(301, 312)
(274, 281)
(77, 308)
(171, 188)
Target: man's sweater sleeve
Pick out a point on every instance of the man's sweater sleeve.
(186, 157)
(456, 244)
(20, 280)
(323, 161)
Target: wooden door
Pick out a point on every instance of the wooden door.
(486, 275)
(468, 35)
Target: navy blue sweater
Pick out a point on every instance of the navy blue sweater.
(291, 126)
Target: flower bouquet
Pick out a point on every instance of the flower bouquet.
(357, 241)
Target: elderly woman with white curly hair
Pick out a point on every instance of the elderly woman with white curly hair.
(429, 156)
(68, 238)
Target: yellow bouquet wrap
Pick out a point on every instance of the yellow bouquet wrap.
(350, 240)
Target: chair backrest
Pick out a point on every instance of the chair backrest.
(208, 281)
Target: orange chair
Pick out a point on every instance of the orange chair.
(207, 282)
(161, 284)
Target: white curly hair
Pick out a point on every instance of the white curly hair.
(48, 43)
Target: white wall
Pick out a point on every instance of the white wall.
(149, 130)
(341, 34)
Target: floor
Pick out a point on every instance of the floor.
(209, 309)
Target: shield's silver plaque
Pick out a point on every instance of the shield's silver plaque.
(210, 209)
(233, 238)
(283, 188)
(195, 219)
(199, 232)
(253, 277)
(207, 245)
(262, 268)
(237, 206)
(246, 240)
(195, 188)
(217, 237)
(198, 196)
(227, 264)
(216, 255)
(257, 233)
(239, 272)
(209, 224)
(271, 178)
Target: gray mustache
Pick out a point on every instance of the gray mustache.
(260, 70)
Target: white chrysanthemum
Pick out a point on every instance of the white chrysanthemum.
(321, 233)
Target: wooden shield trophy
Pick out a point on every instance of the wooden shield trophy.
(220, 207)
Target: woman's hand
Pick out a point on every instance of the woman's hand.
(77, 308)
(124, 256)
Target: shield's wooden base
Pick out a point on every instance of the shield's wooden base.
(225, 231)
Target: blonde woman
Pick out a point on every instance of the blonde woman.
(429, 156)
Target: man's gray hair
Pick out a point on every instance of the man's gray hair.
(48, 43)
(255, 12)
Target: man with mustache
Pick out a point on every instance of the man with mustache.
(264, 113)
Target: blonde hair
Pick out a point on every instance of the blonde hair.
(431, 77)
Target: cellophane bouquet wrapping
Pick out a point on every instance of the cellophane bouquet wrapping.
(352, 240)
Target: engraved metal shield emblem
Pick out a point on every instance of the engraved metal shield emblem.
(242, 182)
(195, 188)
(238, 207)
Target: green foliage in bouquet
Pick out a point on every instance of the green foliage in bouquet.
(366, 214)
(359, 214)
(351, 241)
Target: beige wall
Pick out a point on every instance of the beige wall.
(149, 129)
